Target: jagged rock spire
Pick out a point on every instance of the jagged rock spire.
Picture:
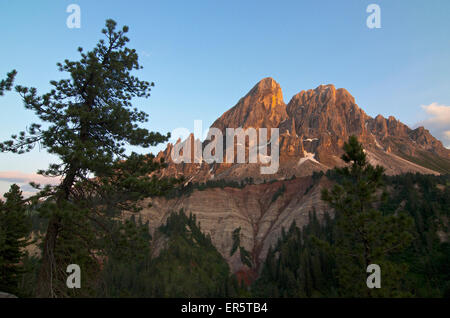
(293, 132)
(263, 106)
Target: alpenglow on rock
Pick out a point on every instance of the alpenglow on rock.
(313, 128)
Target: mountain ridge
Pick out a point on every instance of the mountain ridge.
(313, 127)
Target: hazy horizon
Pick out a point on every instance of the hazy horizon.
(204, 56)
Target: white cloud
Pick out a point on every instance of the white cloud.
(21, 177)
(437, 121)
(7, 178)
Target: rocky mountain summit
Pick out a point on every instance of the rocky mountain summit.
(313, 127)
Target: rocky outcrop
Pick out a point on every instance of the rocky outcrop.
(263, 106)
(313, 128)
(256, 209)
(326, 117)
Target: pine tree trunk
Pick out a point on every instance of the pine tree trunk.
(49, 266)
(48, 269)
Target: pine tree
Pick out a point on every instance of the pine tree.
(245, 256)
(364, 235)
(15, 225)
(183, 263)
(89, 118)
(6, 84)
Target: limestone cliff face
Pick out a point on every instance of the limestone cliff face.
(313, 128)
(263, 106)
(254, 208)
(418, 147)
(423, 137)
(326, 117)
(192, 170)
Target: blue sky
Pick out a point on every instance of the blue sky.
(205, 55)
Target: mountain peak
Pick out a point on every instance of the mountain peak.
(324, 87)
(263, 106)
(268, 88)
(267, 83)
(315, 125)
